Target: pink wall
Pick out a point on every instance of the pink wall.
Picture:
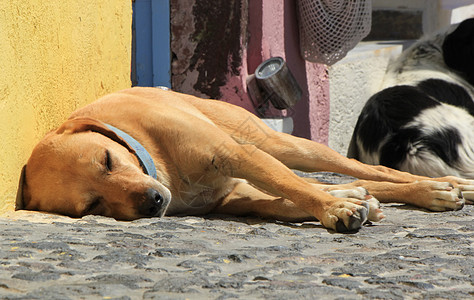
(217, 45)
(273, 31)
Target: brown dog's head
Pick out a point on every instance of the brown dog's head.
(84, 168)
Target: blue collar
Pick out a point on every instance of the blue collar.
(146, 162)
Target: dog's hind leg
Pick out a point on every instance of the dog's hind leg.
(294, 152)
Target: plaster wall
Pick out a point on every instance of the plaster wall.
(55, 57)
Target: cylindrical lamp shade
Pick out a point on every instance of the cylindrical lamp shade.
(276, 80)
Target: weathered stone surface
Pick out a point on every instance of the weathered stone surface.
(410, 254)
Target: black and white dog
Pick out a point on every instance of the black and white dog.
(422, 122)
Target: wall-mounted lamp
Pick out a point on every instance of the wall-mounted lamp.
(273, 82)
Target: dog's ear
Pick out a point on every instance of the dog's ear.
(22, 194)
(81, 124)
(458, 49)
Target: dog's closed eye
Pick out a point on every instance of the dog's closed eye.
(108, 161)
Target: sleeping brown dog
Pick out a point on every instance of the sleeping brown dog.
(146, 152)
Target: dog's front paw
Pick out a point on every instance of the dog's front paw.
(467, 190)
(468, 194)
(360, 193)
(345, 215)
(442, 196)
(375, 213)
(466, 187)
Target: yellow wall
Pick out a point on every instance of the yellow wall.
(55, 56)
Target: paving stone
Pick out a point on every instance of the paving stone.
(344, 283)
(412, 254)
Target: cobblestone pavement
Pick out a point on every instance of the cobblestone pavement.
(410, 254)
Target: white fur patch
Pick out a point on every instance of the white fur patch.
(420, 161)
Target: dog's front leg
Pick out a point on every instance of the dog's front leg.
(267, 173)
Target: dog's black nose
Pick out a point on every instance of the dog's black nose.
(153, 203)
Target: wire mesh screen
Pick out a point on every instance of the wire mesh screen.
(330, 28)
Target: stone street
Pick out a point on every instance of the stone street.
(412, 254)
